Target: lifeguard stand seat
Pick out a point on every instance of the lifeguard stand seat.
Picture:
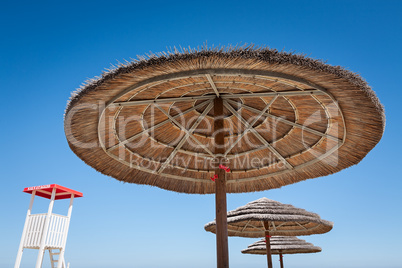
(47, 231)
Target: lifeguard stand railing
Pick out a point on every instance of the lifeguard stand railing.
(47, 231)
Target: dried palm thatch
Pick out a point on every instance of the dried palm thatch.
(282, 245)
(265, 215)
(287, 118)
(266, 218)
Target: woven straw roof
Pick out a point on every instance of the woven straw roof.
(283, 220)
(288, 118)
(282, 245)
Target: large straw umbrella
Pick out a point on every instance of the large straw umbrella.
(282, 245)
(274, 118)
(266, 218)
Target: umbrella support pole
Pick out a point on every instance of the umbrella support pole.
(268, 244)
(222, 250)
(281, 259)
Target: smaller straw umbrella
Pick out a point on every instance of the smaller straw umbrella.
(265, 217)
(282, 245)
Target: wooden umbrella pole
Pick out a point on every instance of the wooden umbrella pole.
(220, 192)
(268, 244)
(281, 259)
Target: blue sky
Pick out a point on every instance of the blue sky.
(48, 48)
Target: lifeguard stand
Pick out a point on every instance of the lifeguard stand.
(47, 231)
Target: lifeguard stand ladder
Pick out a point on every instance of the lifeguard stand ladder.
(47, 231)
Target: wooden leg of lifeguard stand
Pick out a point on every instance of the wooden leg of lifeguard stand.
(61, 257)
(45, 231)
(24, 231)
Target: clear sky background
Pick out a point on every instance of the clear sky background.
(48, 48)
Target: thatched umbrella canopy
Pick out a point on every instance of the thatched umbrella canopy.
(282, 245)
(274, 118)
(266, 218)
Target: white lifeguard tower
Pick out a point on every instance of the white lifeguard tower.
(47, 231)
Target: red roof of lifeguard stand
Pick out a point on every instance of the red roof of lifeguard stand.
(46, 191)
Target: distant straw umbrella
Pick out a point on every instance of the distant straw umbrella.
(266, 218)
(282, 245)
(274, 118)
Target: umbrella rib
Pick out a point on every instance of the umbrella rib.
(212, 84)
(280, 225)
(270, 93)
(301, 225)
(162, 100)
(251, 125)
(188, 133)
(231, 156)
(245, 226)
(157, 125)
(273, 225)
(263, 226)
(266, 143)
(312, 228)
(258, 228)
(289, 122)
